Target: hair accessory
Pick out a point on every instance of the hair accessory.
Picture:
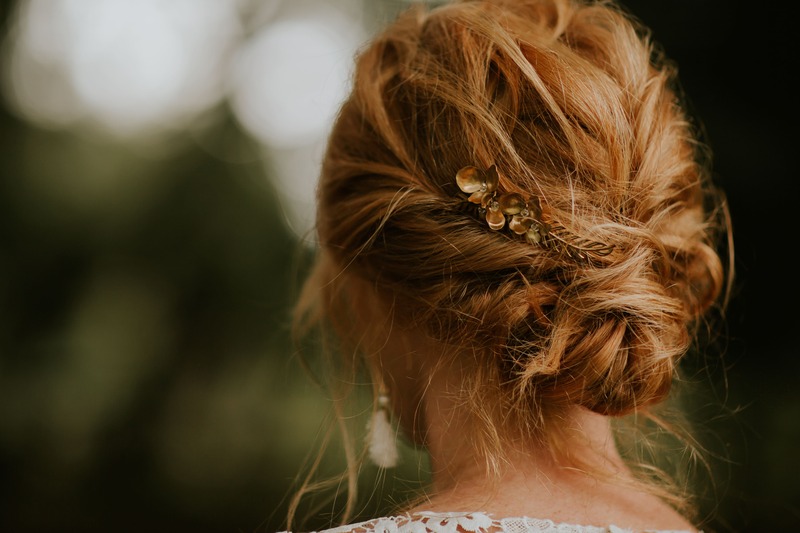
(382, 441)
(524, 217)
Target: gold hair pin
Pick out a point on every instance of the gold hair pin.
(524, 217)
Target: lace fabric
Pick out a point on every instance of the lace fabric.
(425, 522)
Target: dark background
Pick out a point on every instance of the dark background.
(146, 377)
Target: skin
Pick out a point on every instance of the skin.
(531, 483)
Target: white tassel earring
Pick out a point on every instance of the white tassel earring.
(382, 439)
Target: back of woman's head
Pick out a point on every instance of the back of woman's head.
(574, 106)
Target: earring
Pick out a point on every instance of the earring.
(382, 441)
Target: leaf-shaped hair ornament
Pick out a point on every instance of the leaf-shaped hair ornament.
(523, 217)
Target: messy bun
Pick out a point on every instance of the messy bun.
(574, 104)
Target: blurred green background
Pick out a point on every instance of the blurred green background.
(158, 161)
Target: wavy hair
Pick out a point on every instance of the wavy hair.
(573, 102)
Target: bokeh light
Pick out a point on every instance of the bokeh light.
(130, 68)
(290, 78)
(146, 70)
(287, 83)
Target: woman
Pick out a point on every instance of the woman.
(518, 237)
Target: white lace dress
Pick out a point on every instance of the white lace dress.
(473, 523)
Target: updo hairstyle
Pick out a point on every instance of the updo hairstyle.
(573, 103)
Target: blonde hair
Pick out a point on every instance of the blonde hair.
(574, 103)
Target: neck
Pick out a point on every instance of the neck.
(529, 480)
(587, 439)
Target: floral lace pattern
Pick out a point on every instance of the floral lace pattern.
(426, 522)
